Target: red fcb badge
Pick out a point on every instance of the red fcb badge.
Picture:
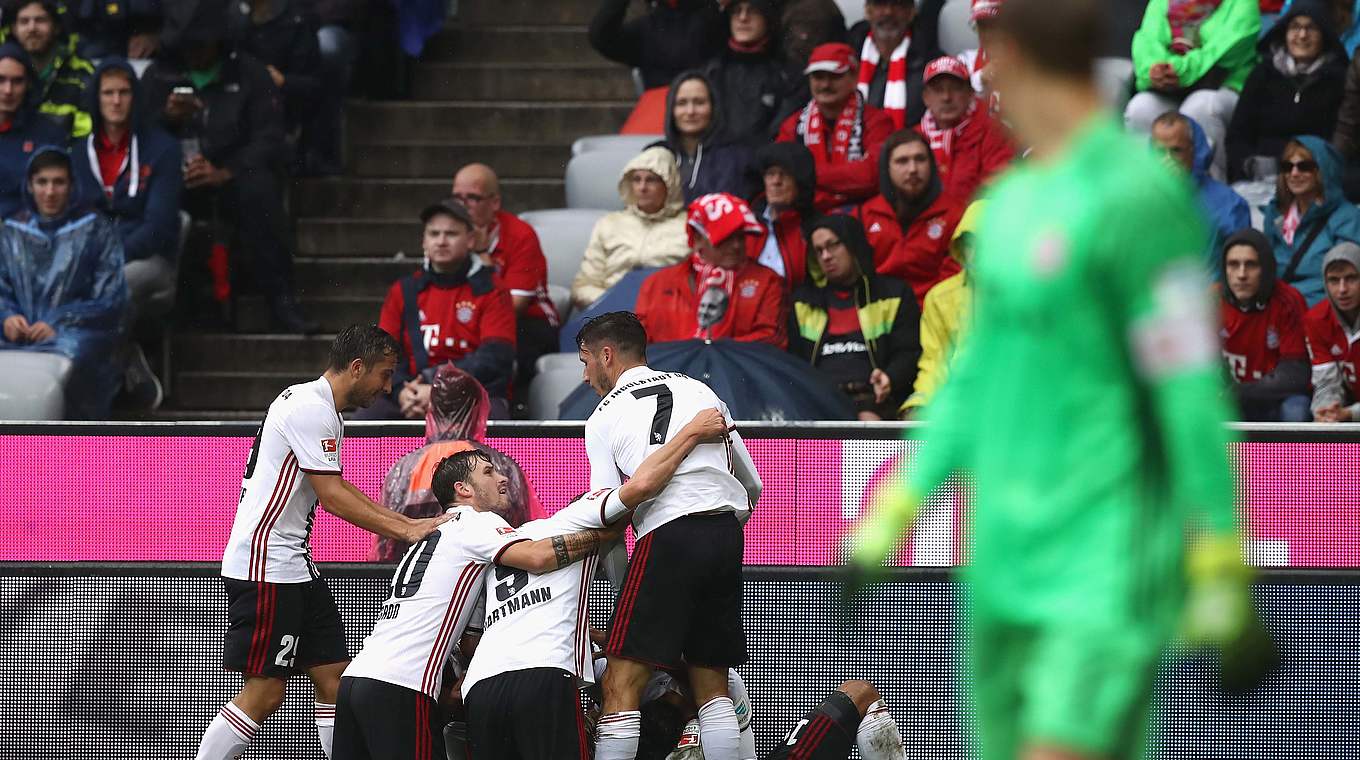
(328, 446)
(28, 146)
(505, 531)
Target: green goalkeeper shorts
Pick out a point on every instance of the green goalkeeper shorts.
(1079, 687)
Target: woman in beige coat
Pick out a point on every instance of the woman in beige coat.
(650, 232)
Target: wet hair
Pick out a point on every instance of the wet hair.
(1060, 36)
(662, 724)
(620, 329)
(454, 469)
(50, 159)
(367, 343)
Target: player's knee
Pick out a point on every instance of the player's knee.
(622, 684)
(862, 693)
(261, 697)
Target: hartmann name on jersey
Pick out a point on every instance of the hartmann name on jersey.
(515, 604)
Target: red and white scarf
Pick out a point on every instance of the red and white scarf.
(708, 276)
(847, 140)
(941, 139)
(1289, 225)
(895, 94)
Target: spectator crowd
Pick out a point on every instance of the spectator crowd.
(812, 187)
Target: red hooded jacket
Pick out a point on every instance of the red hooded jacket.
(920, 254)
(667, 305)
(840, 182)
(983, 149)
(788, 231)
(521, 267)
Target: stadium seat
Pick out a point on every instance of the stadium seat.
(956, 27)
(852, 10)
(593, 178)
(560, 295)
(548, 389)
(33, 386)
(592, 143)
(564, 233)
(1113, 77)
(551, 362)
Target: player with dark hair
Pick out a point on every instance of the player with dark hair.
(281, 616)
(389, 691)
(680, 605)
(1089, 405)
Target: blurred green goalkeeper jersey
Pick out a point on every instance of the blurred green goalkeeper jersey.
(1087, 401)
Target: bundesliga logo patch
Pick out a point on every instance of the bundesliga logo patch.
(504, 531)
(330, 450)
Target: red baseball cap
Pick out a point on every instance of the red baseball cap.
(719, 216)
(986, 9)
(835, 57)
(945, 65)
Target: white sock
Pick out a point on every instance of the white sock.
(718, 732)
(741, 705)
(228, 735)
(325, 726)
(617, 734)
(877, 737)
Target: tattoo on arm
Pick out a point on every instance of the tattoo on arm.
(573, 546)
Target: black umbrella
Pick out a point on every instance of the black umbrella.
(756, 380)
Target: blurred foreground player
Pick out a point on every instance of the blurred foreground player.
(281, 616)
(1089, 405)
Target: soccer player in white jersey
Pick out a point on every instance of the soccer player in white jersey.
(521, 691)
(680, 604)
(389, 690)
(281, 616)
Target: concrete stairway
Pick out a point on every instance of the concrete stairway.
(510, 83)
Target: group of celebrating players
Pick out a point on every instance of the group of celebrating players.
(496, 617)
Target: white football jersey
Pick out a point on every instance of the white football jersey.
(645, 409)
(301, 433)
(542, 621)
(434, 591)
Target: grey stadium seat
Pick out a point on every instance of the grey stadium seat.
(563, 233)
(33, 386)
(551, 362)
(593, 178)
(548, 389)
(956, 27)
(853, 11)
(1113, 77)
(592, 143)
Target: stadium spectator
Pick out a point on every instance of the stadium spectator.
(447, 312)
(1296, 89)
(983, 15)
(648, 232)
(912, 219)
(337, 39)
(789, 177)
(805, 25)
(859, 329)
(1345, 20)
(695, 134)
(21, 127)
(944, 316)
(61, 284)
(1333, 330)
(1193, 57)
(969, 145)
(223, 107)
(894, 43)
(277, 34)
(129, 169)
(1262, 333)
(671, 37)
(510, 247)
(128, 29)
(754, 87)
(720, 292)
(843, 132)
(62, 75)
(1309, 214)
(1187, 148)
(1346, 136)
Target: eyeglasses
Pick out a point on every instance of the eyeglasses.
(830, 245)
(1304, 166)
(467, 198)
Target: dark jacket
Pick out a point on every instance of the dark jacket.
(1274, 106)
(795, 159)
(102, 28)
(1226, 210)
(146, 197)
(924, 48)
(287, 41)
(27, 132)
(805, 24)
(663, 42)
(716, 166)
(241, 126)
(60, 95)
(755, 89)
(888, 314)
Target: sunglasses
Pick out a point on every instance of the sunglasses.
(1303, 166)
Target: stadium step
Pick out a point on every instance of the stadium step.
(360, 277)
(235, 389)
(531, 121)
(547, 44)
(404, 198)
(599, 80)
(438, 160)
(332, 313)
(225, 352)
(336, 237)
(526, 12)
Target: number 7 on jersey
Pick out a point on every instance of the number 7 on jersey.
(661, 421)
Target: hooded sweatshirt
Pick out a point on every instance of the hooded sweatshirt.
(1334, 345)
(144, 198)
(673, 35)
(716, 166)
(1226, 210)
(782, 246)
(755, 87)
(1224, 53)
(26, 131)
(913, 247)
(1263, 341)
(67, 271)
(872, 324)
(286, 40)
(632, 239)
(1281, 99)
(1339, 221)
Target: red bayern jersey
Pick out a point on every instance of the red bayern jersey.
(1328, 344)
(520, 265)
(454, 321)
(1254, 342)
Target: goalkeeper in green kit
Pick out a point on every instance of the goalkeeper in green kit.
(1087, 402)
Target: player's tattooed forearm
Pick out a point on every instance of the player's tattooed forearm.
(560, 551)
(573, 546)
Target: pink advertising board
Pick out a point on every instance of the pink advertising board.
(171, 497)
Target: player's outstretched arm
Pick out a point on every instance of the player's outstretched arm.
(651, 477)
(351, 505)
(555, 553)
